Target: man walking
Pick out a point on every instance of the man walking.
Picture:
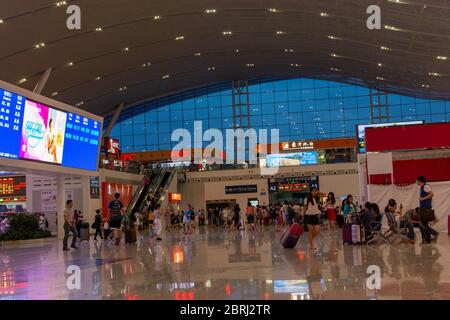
(426, 208)
(69, 226)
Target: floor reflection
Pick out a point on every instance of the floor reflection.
(216, 264)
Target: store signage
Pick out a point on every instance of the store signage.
(252, 188)
(112, 146)
(94, 183)
(299, 145)
(128, 157)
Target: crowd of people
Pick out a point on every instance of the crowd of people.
(313, 212)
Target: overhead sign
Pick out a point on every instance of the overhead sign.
(252, 188)
(94, 183)
(293, 184)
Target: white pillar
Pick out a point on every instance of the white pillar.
(114, 119)
(87, 210)
(29, 192)
(60, 204)
(43, 81)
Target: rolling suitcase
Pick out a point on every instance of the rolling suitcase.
(347, 233)
(340, 220)
(84, 233)
(356, 234)
(130, 236)
(290, 237)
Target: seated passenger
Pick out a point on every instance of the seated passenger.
(410, 220)
(369, 220)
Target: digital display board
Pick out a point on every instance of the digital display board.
(293, 184)
(11, 118)
(361, 131)
(12, 186)
(33, 131)
(82, 137)
(291, 159)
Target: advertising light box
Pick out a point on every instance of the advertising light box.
(292, 159)
(33, 131)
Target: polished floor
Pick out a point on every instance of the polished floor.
(216, 264)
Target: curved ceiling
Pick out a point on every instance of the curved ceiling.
(132, 50)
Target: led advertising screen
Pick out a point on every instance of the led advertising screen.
(361, 131)
(42, 133)
(33, 131)
(292, 159)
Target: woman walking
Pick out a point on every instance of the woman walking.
(311, 211)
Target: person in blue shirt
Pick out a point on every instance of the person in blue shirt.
(187, 218)
(425, 204)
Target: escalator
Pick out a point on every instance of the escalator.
(140, 195)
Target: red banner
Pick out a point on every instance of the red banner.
(423, 136)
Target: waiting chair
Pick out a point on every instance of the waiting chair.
(394, 232)
(374, 233)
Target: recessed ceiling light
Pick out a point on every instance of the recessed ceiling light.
(237, 50)
(98, 78)
(61, 3)
(295, 65)
(391, 28)
(165, 76)
(227, 33)
(384, 48)
(289, 50)
(98, 29)
(179, 38)
(334, 55)
(157, 17)
(324, 14)
(380, 64)
(335, 69)
(198, 54)
(273, 10)
(1, 21)
(210, 10)
(434, 74)
(211, 68)
(123, 88)
(280, 32)
(54, 93)
(250, 65)
(40, 45)
(126, 49)
(425, 86)
(380, 78)
(333, 37)
(441, 58)
(79, 104)
(22, 80)
(70, 64)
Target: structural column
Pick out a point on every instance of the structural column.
(60, 204)
(43, 81)
(114, 119)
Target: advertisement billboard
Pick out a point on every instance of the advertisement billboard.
(30, 130)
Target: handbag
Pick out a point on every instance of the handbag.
(427, 215)
(93, 225)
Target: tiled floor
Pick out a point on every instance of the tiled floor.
(216, 264)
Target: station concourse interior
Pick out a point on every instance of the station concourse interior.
(222, 150)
